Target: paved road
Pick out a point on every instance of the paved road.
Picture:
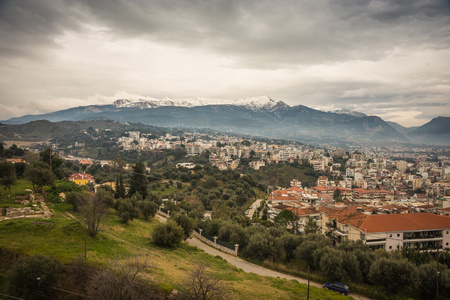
(252, 268)
(255, 206)
(247, 266)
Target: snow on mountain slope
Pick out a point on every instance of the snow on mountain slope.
(257, 103)
(153, 103)
(348, 112)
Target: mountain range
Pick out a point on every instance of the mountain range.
(260, 116)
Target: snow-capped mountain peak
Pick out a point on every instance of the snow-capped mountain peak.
(258, 103)
(153, 103)
(348, 112)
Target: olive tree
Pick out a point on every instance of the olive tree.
(393, 274)
(167, 234)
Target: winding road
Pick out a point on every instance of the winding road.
(248, 266)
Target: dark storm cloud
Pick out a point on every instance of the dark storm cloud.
(28, 27)
(257, 34)
(271, 34)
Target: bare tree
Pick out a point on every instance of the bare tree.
(92, 209)
(202, 285)
(121, 280)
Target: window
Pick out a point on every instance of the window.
(398, 234)
(390, 235)
(446, 244)
(390, 247)
(447, 231)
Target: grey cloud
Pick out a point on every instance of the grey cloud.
(258, 34)
(269, 34)
(28, 28)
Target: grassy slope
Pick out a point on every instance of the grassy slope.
(63, 237)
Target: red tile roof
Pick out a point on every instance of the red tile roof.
(306, 211)
(404, 222)
(81, 176)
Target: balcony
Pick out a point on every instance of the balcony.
(423, 235)
(330, 225)
(341, 232)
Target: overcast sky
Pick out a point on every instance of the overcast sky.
(385, 58)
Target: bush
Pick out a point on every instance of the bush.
(393, 274)
(331, 265)
(33, 277)
(167, 234)
(148, 208)
(184, 222)
(262, 246)
(126, 210)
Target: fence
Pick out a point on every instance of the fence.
(212, 241)
(164, 212)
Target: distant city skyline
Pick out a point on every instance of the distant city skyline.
(384, 58)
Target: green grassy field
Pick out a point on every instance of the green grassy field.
(62, 237)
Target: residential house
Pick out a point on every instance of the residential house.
(81, 178)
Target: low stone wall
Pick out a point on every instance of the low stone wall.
(12, 213)
(215, 245)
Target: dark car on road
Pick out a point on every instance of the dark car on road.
(337, 287)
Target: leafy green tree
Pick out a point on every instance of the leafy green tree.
(105, 193)
(39, 176)
(262, 246)
(428, 280)
(350, 265)
(331, 265)
(55, 162)
(284, 218)
(220, 211)
(138, 180)
(393, 274)
(126, 211)
(20, 169)
(167, 234)
(34, 277)
(210, 183)
(119, 162)
(365, 259)
(233, 233)
(148, 209)
(75, 198)
(306, 249)
(185, 222)
(337, 195)
(7, 175)
(120, 188)
(290, 242)
(311, 226)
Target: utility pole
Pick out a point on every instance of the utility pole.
(307, 297)
(51, 159)
(437, 273)
(176, 196)
(85, 238)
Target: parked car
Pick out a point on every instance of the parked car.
(339, 287)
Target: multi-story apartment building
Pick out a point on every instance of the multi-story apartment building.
(423, 231)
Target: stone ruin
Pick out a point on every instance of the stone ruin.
(32, 208)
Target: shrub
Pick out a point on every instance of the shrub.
(33, 277)
(184, 222)
(167, 234)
